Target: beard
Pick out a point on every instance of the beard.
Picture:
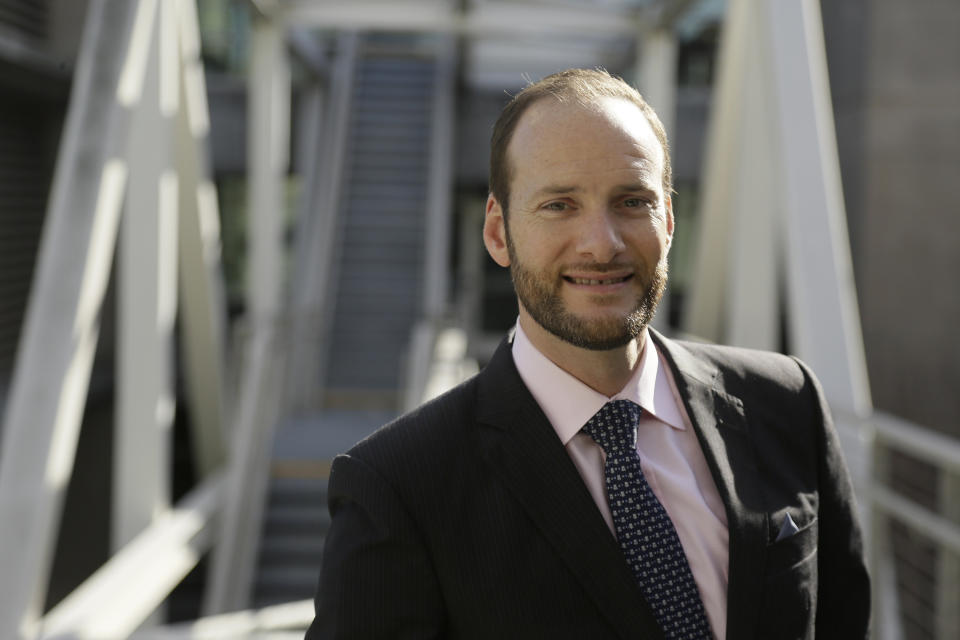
(541, 295)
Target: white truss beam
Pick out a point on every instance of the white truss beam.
(235, 555)
(822, 301)
(286, 621)
(752, 313)
(317, 224)
(61, 325)
(202, 297)
(656, 78)
(120, 121)
(705, 306)
(772, 188)
(488, 18)
(147, 294)
(124, 592)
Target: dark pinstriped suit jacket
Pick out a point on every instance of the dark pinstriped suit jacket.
(467, 518)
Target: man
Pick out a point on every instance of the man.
(596, 480)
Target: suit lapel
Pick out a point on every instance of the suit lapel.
(723, 432)
(522, 446)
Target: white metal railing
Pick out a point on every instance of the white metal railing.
(119, 596)
(942, 527)
(288, 620)
(437, 361)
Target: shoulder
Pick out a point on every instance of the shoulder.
(429, 427)
(764, 376)
(738, 363)
(413, 454)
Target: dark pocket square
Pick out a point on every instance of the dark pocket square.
(788, 528)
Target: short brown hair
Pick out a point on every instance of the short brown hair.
(584, 86)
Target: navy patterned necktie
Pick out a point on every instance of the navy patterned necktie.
(644, 529)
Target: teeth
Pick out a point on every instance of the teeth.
(595, 282)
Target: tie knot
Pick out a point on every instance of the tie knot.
(614, 427)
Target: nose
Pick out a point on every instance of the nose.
(599, 237)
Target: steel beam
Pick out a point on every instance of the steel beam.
(822, 300)
(706, 306)
(146, 296)
(49, 385)
(252, 437)
(656, 79)
(487, 18)
(267, 159)
(656, 74)
(752, 313)
(280, 621)
(124, 592)
(436, 281)
(317, 235)
(202, 297)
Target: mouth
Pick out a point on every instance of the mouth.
(597, 281)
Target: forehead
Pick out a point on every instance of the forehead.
(568, 140)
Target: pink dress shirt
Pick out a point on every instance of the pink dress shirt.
(670, 457)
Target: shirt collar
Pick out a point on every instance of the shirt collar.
(568, 403)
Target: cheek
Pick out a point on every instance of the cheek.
(535, 245)
(652, 244)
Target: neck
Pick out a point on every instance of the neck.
(606, 372)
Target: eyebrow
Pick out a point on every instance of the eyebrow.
(558, 189)
(554, 189)
(637, 186)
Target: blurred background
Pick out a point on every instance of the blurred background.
(236, 236)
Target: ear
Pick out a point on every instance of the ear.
(668, 205)
(495, 233)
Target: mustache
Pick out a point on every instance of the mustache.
(600, 267)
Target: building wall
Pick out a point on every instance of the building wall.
(895, 79)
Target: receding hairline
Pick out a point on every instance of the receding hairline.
(582, 87)
(593, 106)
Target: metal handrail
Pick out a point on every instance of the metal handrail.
(119, 596)
(891, 433)
(926, 444)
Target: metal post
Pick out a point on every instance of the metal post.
(146, 296)
(304, 314)
(267, 161)
(202, 298)
(752, 316)
(822, 302)
(269, 125)
(948, 562)
(314, 261)
(704, 315)
(657, 80)
(439, 211)
(886, 624)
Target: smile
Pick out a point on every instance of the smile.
(592, 281)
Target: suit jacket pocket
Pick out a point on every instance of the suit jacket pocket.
(790, 587)
(794, 550)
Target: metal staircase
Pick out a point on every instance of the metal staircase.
(379, 268)
(376, 291)
(293, 535)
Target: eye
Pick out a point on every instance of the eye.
(633, 203)
(556, 206)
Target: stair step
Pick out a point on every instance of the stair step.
(291, 580)
(287, 550)
(295, 521)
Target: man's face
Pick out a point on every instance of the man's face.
(589, 224)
